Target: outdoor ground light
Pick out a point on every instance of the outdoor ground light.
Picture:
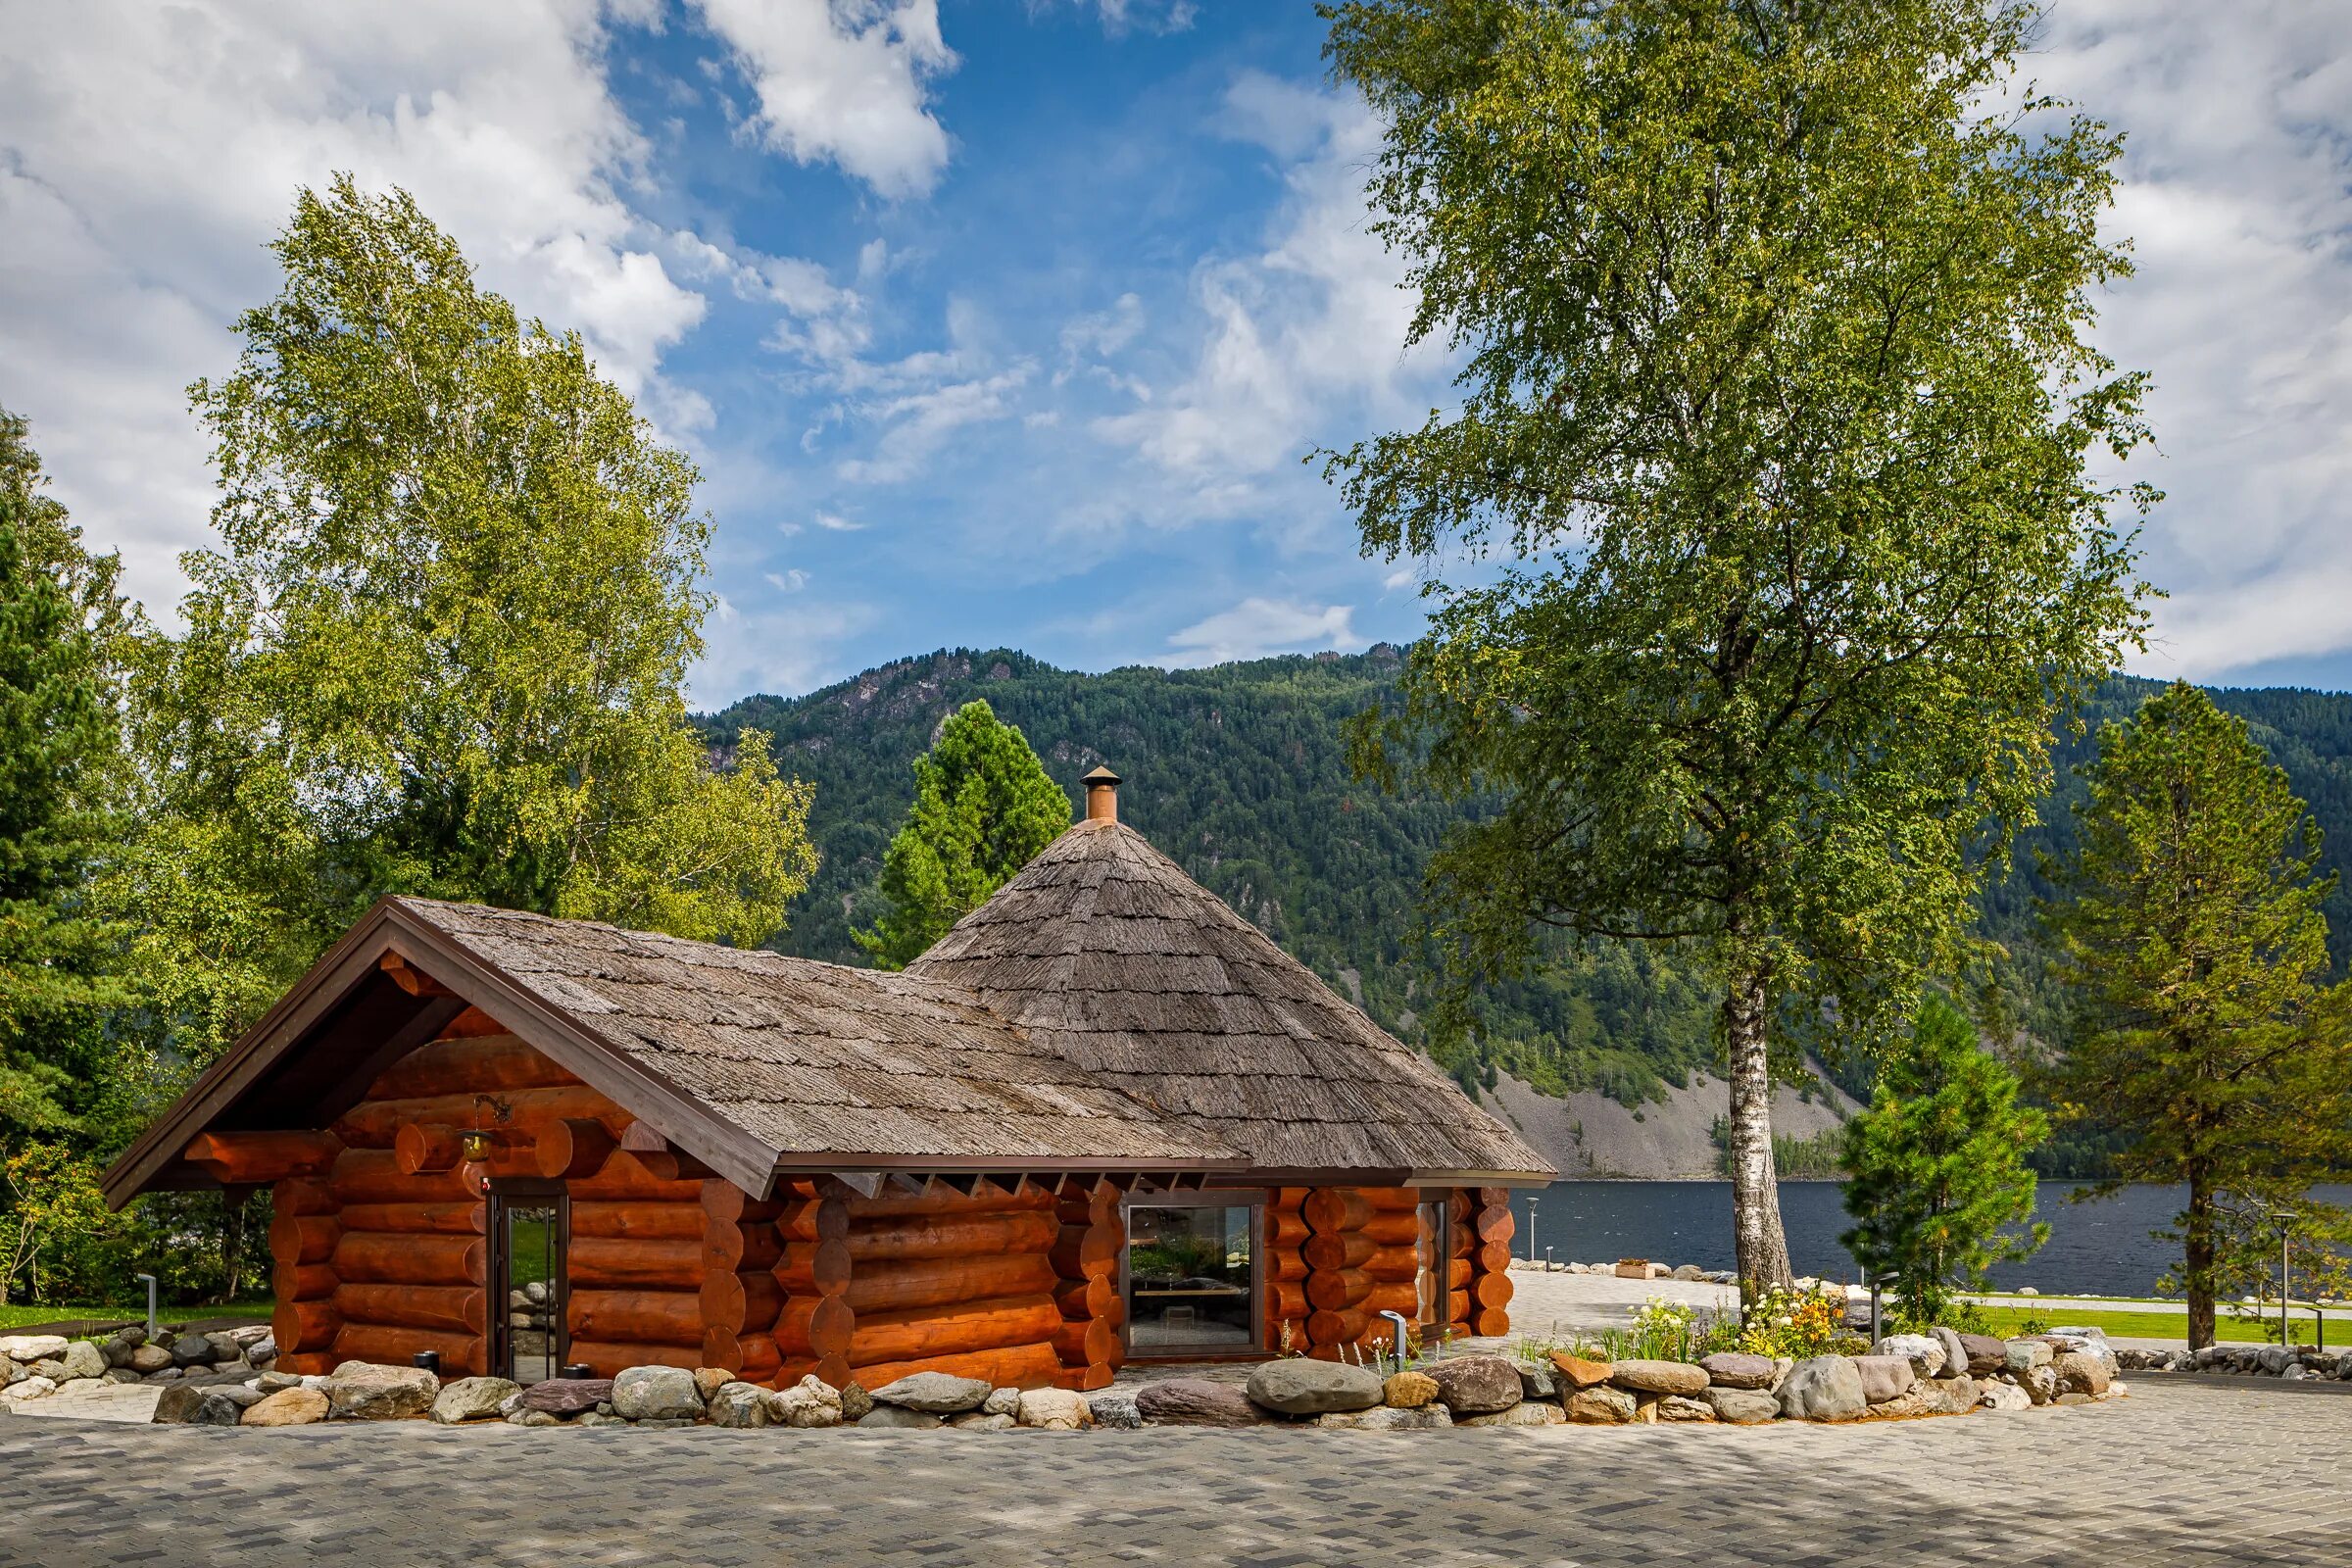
(578, 1369)
(430, 1360)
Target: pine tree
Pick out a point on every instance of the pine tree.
(1937, 1178)
(58, 772)
(984, 806)
(2195, 941)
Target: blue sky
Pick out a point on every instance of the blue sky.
(1004, 323)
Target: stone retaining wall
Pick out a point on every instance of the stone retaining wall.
(2294, 1363)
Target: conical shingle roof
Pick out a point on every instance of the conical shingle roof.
(1104, 952)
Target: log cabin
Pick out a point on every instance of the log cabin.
(1103, 1118)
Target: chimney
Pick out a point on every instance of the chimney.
(1101, 795)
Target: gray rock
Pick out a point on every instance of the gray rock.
(896, 1415)
(244, 1396)
(562, 1397)
(116, 1350)
(1955, 1353)
(1924, 1352)
(277, 1382)
(1658, 1377)
(1388, 1418)
(31, 1347)
(1055, 1410)
(2020, 1354)
(1526, 1413)
(1301, 1387)
(1474, 1385)
(296, 1407)
(2040, 1383)
(191, 1350)
(1886, 1377)
(472, 1400)
(742, 1406)
(1198, 1402)
(261, 1351)
(25, 1389)
(982, 1421)
(1691, 1272)
(855, 1401)
(51, 1368)
(2079, 1373)
(539, 1418)
(1742, 1407)
(1002, 1401)
(2002, 1396)
(185, 1404)
(1538, 1381)
(121, 1375)
(1115, 1409)
(594, 1418)
(133, 1335)
(1602, 1407)
(1734, 1369)
(936, 1392)
(2071, 1397)
(363, 1390)
(149, 1358)
(1825, 1388)
(814, 1402)
(1680, 1407)
(1985, 1354)
(656, 1393)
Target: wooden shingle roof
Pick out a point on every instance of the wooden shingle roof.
(1103, 950)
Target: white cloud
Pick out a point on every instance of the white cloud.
(148, 153)
(789, 581)
(751, 649)
(1305, 330)
(919, 423)
(843, 82)
(1122, 15)
(836, 524)
(1257, 627)
(2237, 195)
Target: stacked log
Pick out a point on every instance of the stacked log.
(1489, 1287)
(303, 1232)
(1086, 1262)
(636, 1266)
(740, 1298)
(960, 1283)
(812, 1328)
(1337, 1285)
(1283, 1271)
(1390, 1254)
(408, 1261)
(1462, 1207)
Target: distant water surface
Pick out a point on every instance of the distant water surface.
(2098, 1247)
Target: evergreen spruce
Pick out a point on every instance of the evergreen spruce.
(984, 806)
(1937, 1178)
(2195, 936)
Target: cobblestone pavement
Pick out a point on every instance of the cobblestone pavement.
(2176, 1473)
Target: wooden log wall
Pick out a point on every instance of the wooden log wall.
(1282, 1273)
(812, 1270)
(1337, 1287)
(637, 1266)
(1478, 1296)
(1086, 1269)
(955, 1283)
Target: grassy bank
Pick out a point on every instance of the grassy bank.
(2173, 1326)
(15, 1317)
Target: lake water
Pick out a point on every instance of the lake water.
(2098, 1247)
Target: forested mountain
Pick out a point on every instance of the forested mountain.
(1238, 773)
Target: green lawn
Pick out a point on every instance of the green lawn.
(13, 1317)
(2011, 1320)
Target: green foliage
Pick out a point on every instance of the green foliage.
(1936, 1174)
(439, 650)
(2195, 936)
(1819, 1157)
(1781, 1321)
(984, 807)
(51, 1204)
(60, 959)
(1778, 389)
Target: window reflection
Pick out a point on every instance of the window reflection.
(1190, 1284)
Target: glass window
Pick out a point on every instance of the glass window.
(1190, 1284)
(530, 1235)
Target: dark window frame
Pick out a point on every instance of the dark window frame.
(526, 1192)
(1254, 1199)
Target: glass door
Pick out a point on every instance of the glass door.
(529, 1232)
(1431, 1275)
(1191, 1278)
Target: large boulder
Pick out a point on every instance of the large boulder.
(1198, 1402)
(562, 1397)
(2080, 1372)
(296, 1407)
(192, 1349)
(2020, 1354)
(1055, 1410)
(365, 1391)
(1955, 1395)
(1578, 1372)
(1924, 1352)
(1985, 1354)
(186, 1405)
(1658, 1377)
(1526, 1413)
(2040, 1383)
(1825, 1388)
(472, 1400)
(146, 1358)
(31, 1347)
(1301, 1387)
(25, 1389)
(1886, 1377)
(656, 1393)
(814, 1402)
(935, 1393)
(1390, 1418)
(1735, 1369)
(1742, 1407)
(1994, 1396)
(1955, 1353)
(82, 1360)
(1476, 1385)
(1602, 1407)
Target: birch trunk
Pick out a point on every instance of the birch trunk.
(1761, 1245)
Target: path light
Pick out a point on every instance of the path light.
(1398, 1319)
(1877, 1328)
(151, 1325)
(1531, 1229)
(577, 1369)
(1548, 1261)
(429, 1360)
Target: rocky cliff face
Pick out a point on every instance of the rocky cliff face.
(1590, 1136)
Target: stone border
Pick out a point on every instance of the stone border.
(2292, 1363)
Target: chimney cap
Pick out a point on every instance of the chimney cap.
(1099, 774)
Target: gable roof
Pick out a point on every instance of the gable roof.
(1106, 951)
(748, 1060)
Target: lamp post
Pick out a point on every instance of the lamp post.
(2285, 1218)
(1531, 1233)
